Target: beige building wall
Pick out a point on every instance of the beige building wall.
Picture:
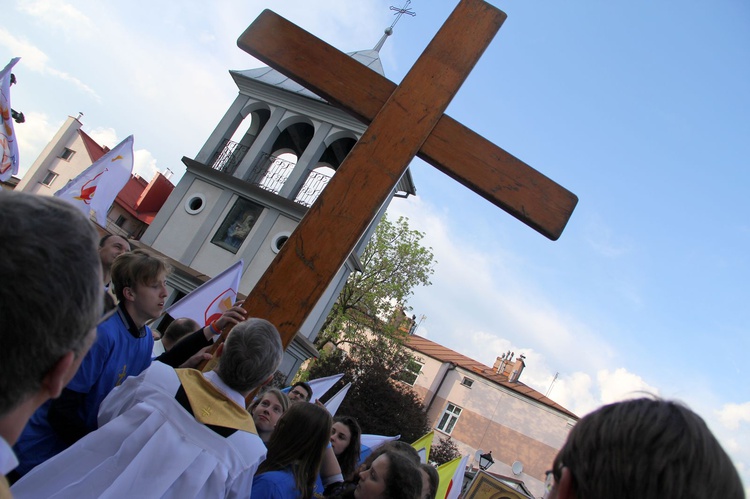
(494, 418)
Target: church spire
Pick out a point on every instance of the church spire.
(399, 11)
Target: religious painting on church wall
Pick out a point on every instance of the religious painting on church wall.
(237, 225)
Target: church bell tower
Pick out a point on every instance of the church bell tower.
(248, 187)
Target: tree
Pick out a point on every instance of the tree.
(443, 451)
(394, 262)
(382, 405)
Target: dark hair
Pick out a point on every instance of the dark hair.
(394, 446)
(646, 448)
(403, 480)
(50, 289)
(306, 387)
(349, 458)
(179, 328)
(298, 441)
(107, 236)
(434, 479)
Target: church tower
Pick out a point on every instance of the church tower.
(263, 166)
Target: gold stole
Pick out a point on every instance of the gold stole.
(211, 406)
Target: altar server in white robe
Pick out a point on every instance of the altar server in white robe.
(171, 433)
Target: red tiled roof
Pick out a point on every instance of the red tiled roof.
(144, 199)
(94, 150)
(443, 354)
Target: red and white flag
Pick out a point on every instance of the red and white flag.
(208, 301)
(97, 187)
(8, 142)
(451, 478)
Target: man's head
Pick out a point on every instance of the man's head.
(645, 448)
(300, 392)
(51, 295)
(178, 329)
(139, 279)
(252, 353)
(110, 247)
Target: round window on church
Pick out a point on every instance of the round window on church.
(278, 241)
(195, 204)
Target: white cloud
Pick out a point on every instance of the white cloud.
(144, 164)
(59, 15)
(104, 136)
(36, 60)
(732, 415)
(33, 137)
(622, 385)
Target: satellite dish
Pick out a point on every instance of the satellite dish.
(517, 467)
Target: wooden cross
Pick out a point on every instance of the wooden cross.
(405, 121)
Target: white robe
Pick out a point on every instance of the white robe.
(148, 445)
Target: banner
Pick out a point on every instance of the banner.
(8, 142)
(210, 300)
(451, 478)
(97, 187)
(423, 446)
(334, 402)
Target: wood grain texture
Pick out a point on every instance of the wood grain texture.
(297, 278)
(460, 153)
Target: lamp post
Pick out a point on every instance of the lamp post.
(485, 461)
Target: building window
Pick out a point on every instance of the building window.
(67, 154)
(120, 221)
(237, 225)
(410, 374)
(467, 382)
(449, 419)
(49, 178)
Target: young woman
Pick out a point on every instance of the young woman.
(345, 436)
(391, 476)
(294, 454)
(267, 411)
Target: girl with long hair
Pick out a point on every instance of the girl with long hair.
(267, 410)
(294, 454)
(345, 440)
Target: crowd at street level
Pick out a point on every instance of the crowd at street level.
(89, 413)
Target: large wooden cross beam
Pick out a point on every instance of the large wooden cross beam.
(404, 121)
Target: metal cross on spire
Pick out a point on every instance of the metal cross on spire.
(400, 11)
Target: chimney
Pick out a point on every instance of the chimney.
(517, 369)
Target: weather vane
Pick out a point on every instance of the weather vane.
(400, 11)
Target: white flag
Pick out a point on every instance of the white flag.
(368, 443)
(97, 187)
(319, 386)
(8, 142)
(208, 301)
(334, 402)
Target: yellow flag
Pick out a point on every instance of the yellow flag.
(451, 478)
(423, 446)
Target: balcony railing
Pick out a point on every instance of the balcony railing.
(228, 156)
(311, 189)
(271, 172)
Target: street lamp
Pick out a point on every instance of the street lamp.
(485, 461)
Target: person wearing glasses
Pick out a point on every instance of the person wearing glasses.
(300, 392)
(51, 296)
(646, 448)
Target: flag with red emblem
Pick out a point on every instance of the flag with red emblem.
(8, 142)
(97, 187)
(208, 301)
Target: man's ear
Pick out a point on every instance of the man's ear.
(57, 378)
(565, 489)
(128, 294)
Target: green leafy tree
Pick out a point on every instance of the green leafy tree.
(443, 450)
(394, 263)
(382, 405)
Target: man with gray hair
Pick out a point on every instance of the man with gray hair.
(51, 299)
(171, 433)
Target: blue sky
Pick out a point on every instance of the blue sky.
(640, 108)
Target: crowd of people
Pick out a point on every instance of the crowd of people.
(90, 408)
